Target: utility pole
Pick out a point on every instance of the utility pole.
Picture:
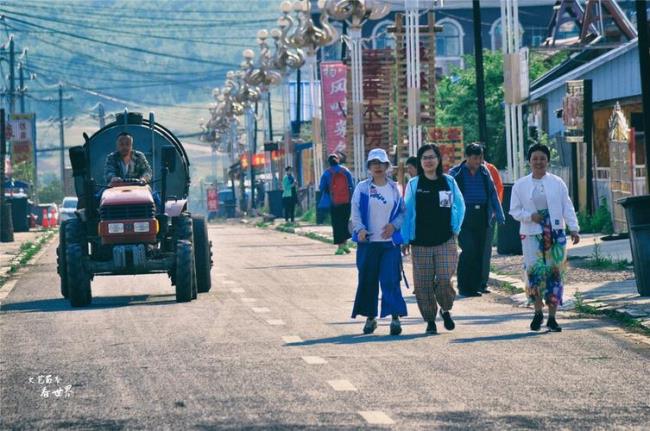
(480, 74)
(644, 63)
(101, 114)
(21, 87)
(12, 77)
(6, 225)
(61, 134)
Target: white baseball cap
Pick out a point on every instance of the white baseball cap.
(378, 154)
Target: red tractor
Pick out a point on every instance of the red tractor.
(130, 227)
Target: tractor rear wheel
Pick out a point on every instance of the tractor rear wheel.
(78, 278)
(184, 277)
(202, 254)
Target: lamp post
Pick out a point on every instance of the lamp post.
(355, 13)
(310, 38)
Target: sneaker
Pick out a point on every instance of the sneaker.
(449, 322)
(395, 327)
(339, 251)
(552, 324)
(537, 321)
(370, 326)
(431, 328)
(347, 249)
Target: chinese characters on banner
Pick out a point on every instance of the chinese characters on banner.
(333, 77)
(450, 143)
(377, 69)
(21, 136)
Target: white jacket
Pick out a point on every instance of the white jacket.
(560, 207)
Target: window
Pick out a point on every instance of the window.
(449, 42)
(380, 36)
(496, 38)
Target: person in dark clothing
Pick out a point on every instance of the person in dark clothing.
(482, 207)
(289, 193)
(337, 186)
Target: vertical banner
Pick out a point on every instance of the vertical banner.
(212, 198)
(333, 77)
(21, 135)
(377, 70)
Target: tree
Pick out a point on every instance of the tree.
(52, 191)
(456, 99)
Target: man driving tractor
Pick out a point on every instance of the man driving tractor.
(126, 162)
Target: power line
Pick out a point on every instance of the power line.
(126, 47)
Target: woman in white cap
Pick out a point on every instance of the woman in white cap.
(377, 215)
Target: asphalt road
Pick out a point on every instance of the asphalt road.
(272, 347)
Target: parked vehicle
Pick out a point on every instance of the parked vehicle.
(125, 232)
(68, 207)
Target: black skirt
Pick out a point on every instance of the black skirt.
(340, 218)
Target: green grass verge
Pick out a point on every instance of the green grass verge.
(623, 319)
(26, 252)
(510, 288)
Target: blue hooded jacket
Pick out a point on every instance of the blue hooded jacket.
(360, 210)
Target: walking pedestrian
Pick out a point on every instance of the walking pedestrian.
(487, 253)
(289, 194)
(377, 215)
(336, 186)
(540, 202)
(482, 206)
(412, 167)
(434, 214)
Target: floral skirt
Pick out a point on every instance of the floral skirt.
(545, 262)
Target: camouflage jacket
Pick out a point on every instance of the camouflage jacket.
(138, 167)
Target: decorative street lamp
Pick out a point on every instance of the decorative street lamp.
(356, 13)
(308, 37)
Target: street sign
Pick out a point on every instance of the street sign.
(213, 200)
(21, 136)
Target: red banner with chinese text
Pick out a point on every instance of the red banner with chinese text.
(333, 78)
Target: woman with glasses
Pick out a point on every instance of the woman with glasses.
(434, 214)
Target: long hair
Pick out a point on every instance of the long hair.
(424, 148)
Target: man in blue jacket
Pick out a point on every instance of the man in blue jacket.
(482, 207)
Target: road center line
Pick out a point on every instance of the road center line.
(261, 310)
(237, 290)
(244, 299)
(341, 385)
(314, 360)
(291, 339)
(276, 322)
(376, 417)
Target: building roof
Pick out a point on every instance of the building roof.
(575, 67)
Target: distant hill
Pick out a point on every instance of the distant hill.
(130, 53)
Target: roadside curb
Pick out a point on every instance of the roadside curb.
(9, 278)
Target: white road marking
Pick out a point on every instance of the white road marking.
(341, 385)
(314, 360)
(237, 290)
(244, 299)
(227, 281)
(221, 274)
(261, 310)
(290, 339)
(376, 417)
(276, 322)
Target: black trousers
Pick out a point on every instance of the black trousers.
(471, 240)
(487, 255)
(340, 215)
(289, 205)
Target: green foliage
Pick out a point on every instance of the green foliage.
(51, 192)
(600, 221)
(456, 101)
(598, 261)
(24, 171)
(623, 319)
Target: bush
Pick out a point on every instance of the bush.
(600, 221)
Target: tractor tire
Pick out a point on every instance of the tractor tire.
(202, 254)
(182, 227)
(61, 265)
(78, 278)
(75, 233)
(184, 272)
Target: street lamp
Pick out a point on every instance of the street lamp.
(356, 13)
(310, 38)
